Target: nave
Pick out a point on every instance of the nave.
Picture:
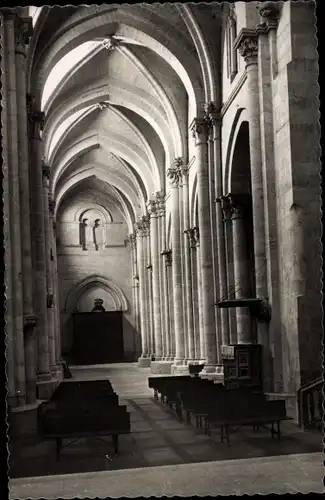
(158, 440)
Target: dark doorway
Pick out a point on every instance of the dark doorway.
(98, 338)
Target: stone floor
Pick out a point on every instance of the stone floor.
(159, 439)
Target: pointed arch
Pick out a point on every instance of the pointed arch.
(74, 294)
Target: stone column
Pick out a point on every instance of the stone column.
(239, 208)
(144, 359)
(49, 275)
(135, 290)
(148, 283)
(166, 254)
(247, 45)
(193, 236)
(15, 34)
(209, 110)
(24, 29)
(155, 262)
(55, 287)
(6, 60)
(187, 268)
(173, 174)
(162, 278)
(214, 120)
(36, 119)
(181, 230)
(201, 339)
(230, 293)
(199, 131)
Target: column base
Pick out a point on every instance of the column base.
(169, 358)
(161, 367)
(212, 372)
(179, 369)
(144, 362)
(45, 389)
(44, 377)
(23, 424)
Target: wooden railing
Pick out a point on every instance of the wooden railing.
(310, 400)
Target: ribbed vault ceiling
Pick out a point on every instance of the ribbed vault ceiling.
(118, 85)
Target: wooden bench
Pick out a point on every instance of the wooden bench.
(109, 400)
(268, 412)
(160, 384)
(59, 424)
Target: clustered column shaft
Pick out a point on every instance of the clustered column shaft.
(247, 44)
(36, 119)
(49, 274)
(139, 231)
(173, 174)
(155, 262)
(187, 268)
(199, 130)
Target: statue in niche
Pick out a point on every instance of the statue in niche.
(87, 233)
(98, 306)
(98, 234)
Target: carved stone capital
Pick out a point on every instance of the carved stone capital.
(226, 207)
(152, 208)
(235, 206)
(174, 172)
(184, 170)
(247, 45)
(138, 228)
(23, 26)
(269, 11)
(199, 130)
(110, 43)
(145, 225)
(36, 118)
(212, 116)
(193, 236)
(46, 170)
(23, 32)
(168, 257)
(160, 200)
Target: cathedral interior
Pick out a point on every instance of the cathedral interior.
(161, 193)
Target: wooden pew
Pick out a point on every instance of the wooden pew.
(266, 413)
(68, 424)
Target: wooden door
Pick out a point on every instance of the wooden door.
(98, 337)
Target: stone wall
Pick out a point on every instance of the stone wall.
(110, 262)
(296, 133)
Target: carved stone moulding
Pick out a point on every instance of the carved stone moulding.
(268, 10)
(168, 255)
(193, 236)
(247, 45)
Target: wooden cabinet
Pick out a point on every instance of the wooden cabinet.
(243, 366)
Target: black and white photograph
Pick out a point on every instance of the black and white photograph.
(162, 249)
